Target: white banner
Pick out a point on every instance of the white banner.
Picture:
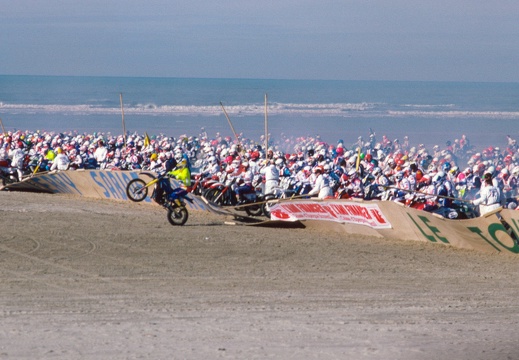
(347, 212)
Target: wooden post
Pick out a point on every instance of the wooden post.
(266, 127)
(122, 114)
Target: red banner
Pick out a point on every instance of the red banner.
(361, 214)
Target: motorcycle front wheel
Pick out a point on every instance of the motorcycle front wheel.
(214, 196)
(177, 216)
(136, 190)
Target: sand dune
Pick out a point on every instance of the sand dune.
(98, 279)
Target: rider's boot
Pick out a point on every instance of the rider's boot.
(240, 199)
(159, 200)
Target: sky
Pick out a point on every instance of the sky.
(418, 40)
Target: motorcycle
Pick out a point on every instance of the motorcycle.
(223, 194)
(8, 174)
(201, 182)
(288, 188)
(174, 200)
(458, 210)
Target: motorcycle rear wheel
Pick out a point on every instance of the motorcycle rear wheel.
(136, 190)
(254, 210)
(267, 204)
(177, 216)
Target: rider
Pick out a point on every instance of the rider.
(271, 174)
(489, 199)
(76, 161)
(243, 182)
(101, 153)
(17, 157)
(181, 171)
(443, 189)
(322, 184)
(61, 161)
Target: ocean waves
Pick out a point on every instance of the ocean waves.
(347, 110)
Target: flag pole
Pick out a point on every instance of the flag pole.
(122, 114)
(266, 127)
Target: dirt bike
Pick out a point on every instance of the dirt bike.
(288, 187)
(174, 200)
(8, 174)
(458, 210)
(201, 182)
(222, 194)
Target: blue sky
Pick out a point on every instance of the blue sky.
(439, 40)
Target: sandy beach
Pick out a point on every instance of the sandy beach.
(98, 279)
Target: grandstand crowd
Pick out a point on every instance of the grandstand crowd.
(371, 168)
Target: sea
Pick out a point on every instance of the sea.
(429, 113)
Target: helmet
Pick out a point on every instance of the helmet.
(178, 156)
(153, 157)
(446, 166)
(279, 162)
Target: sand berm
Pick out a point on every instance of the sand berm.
(99, 279)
